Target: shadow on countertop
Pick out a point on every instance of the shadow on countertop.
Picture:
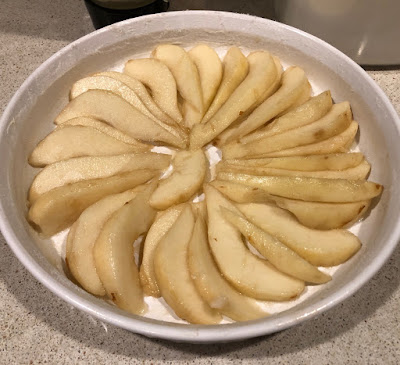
(70, 322)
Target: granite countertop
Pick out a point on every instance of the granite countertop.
(37, 327)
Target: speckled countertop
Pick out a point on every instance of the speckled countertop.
(36, 327)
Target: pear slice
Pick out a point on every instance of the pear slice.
(248, 273)
(235, 69)
(114, 254)
(303, 98)
(338, 161)
(83, 237)
(87, 168)
(336, 144)
(210, 71)
(59, 208)
(321, 248)
(267, 93)
(304, 114)
(173, 276)
(124, 91)
(262, 73)
(76, 141)
(359, 172)
(310, 214)
(334, 122)
(108, 83)
(212, 286)
(279, 255)
(309, 188)
(293, 83)
(189, 171)
(117, 112)
(143, 94)
(106, 129)
(158, 230)
(186, 76)
(158, 78)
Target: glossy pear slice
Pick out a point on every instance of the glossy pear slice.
(76, 141)
(212, 286)
(106, 129)
(157, 231)
(114, 253)
(235, 69)
(210, 71)
(187, 79)
(279, 255)
(338, 161)
(59, 208)
(248, 273)
(84, 235)
(304, 114)
(334, 122)
(262, 73)
(321, 248)
(87, 168)
(143, 94)
(117, 112)
(158, 78)
(173, 276)
(310, 214)
(359, 172)
(309, 188)
(336, 144)
(189, 171)
(293, 83)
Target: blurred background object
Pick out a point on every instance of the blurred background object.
(368, 31)
(106, 12)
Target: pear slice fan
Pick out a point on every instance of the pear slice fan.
(223, 244)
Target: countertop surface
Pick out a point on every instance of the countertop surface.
(36, 327)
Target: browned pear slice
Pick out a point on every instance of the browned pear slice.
(59, 208)
(212, 286)
(311, 214)
(117, 112)
(75, 141)
(338, 161)
(157, 231)
(84, 235)
(293, 83)
(173, 276)
(143, 94)
(187, 79)
(189, 171)
(158, 78)
(334, 122)
(87, 168)
(114, 253)
(309, 188)
(210, 71)
(106, 129)
(359, 172)
(262, 73)
(279, 255)
(336, 144)
(304, 114)
(235, 69)
(304, 96)
(248, 273)
(321, 248)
